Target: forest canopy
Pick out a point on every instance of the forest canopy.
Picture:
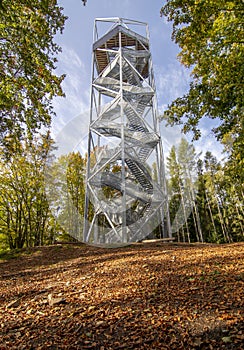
(210, 36)
(28, 57)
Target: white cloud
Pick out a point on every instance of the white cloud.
(75, 87)
(172, 81)
(173, 135)
(73, 136)
(208, 141)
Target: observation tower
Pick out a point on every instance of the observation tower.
(126, 196)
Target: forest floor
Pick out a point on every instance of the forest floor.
(144, 296)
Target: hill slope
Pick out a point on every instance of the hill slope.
(146, 296)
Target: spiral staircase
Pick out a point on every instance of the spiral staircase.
(125, 195)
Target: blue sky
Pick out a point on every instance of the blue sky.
(171, 78)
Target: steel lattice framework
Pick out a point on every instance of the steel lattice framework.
(125, 184)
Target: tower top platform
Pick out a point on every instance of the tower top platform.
(119, 35)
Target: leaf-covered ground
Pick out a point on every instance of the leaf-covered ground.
(146, 296)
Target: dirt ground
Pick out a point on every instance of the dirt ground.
(144, 296)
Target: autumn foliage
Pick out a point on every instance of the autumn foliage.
(145, 296)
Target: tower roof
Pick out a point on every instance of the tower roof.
(111, 40)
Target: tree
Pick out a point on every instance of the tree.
(174, 191)
(216, 196)
(65, 189)
(187, 159)
(204, 208)
(75, 176)
(210, 34)
(27, 65)
(24, 210)
(181, 164)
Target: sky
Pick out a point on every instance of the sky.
(172, 79)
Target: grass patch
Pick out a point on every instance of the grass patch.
(10, 254)
(14, 253)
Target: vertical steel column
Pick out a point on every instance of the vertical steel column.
(123, 188)
(86, 218)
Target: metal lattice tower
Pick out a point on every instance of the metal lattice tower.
(125, 199)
